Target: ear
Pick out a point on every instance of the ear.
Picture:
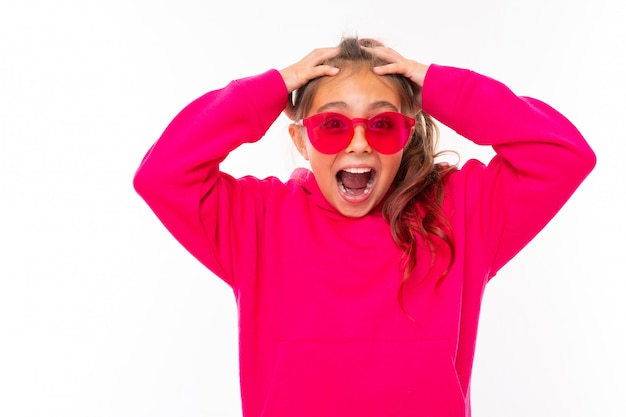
(295, 132)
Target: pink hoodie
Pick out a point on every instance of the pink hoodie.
(320, 327)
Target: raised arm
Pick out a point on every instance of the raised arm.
(181, 170)
(209, 212)
(541, 157)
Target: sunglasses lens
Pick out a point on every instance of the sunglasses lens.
(329, 132)
(388, 132)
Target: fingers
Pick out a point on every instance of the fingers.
(309, 67)
(397, 64)
(319, 55)
(384, 52)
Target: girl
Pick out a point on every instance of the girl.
(358, 283)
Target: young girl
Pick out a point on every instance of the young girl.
(358, 283)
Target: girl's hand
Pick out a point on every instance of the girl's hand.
(308, 68)
(303, 71)
(412, 70)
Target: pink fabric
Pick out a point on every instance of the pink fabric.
(321, 330)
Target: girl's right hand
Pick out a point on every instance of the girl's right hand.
(308, 68)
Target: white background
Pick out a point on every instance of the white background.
(102, 313)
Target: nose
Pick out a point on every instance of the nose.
(359, 143)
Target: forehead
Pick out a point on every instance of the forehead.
(356, 90)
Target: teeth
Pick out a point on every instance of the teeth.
(357, 170)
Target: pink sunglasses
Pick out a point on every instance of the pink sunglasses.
(386, 132)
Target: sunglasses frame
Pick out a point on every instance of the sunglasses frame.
(375, 141)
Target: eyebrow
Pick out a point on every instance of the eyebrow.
(343, 105)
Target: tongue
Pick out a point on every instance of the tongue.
(354, 181)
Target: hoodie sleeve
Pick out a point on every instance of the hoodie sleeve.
(181, 170)
(541, 158)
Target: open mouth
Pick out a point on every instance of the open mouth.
(356, 182)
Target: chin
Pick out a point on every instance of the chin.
(354, 211)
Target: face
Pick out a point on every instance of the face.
(356, 179)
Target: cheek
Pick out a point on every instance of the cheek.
(321, 164)
(391, 164)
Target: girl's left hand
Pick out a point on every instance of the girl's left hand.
(398, 64)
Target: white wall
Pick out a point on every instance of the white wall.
(102, 313)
